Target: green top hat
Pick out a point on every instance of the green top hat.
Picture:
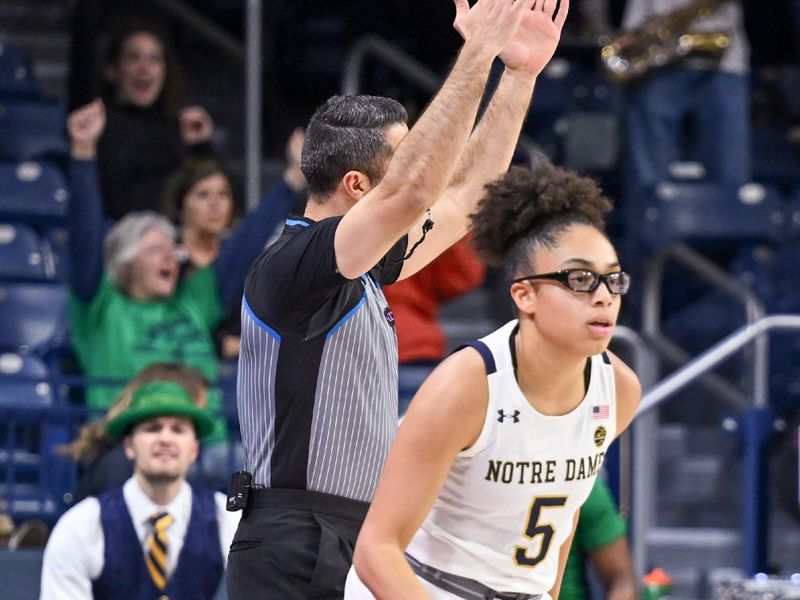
(160, 399)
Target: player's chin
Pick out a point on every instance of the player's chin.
(595, 346)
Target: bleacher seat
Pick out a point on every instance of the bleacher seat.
(596, 93)
(776, 155)
(20, 253)
(754, 266)
(590, 141)
(33, 316)
(410, 378)
(32, 192)
(32, 129)
(55, 251)
(17, 79)
(34, 480)
(575, 117)
(559, 88)
(793, 215)
(706, 212)
(24, 381)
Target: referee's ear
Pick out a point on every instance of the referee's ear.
(355, 185)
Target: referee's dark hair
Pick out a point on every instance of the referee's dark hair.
(346, 134)
(527, 209)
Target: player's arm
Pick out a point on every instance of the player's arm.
(488, 153)
(563, 553)
(629, 392)
(418, 463)
(615, 568)
(425, 160)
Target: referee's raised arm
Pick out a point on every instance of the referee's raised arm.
(425, 161)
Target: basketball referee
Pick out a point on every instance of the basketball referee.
(317, 388)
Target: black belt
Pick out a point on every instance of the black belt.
(329, 504)
(463, 587)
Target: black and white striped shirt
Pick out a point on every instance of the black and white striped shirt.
(317, 387)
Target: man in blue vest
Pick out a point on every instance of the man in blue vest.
(156, 536)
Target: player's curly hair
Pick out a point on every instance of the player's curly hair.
(528, 209)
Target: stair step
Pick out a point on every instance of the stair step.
(693, 547)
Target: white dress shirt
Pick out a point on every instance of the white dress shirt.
(74, 555)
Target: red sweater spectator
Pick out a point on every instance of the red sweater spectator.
(415, 302)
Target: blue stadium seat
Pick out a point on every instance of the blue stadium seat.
(559, 88)
(590, 140)
(707, 213)
(793, 215)
(33, 316)
(595, 92)
(575, 117)
(17, 79)
(32, 130)
(20, 253)
(776, 157)
(34, 479)
(410, 378)
(33, 192)
(754, 266)
(56, 254)
(24, 381)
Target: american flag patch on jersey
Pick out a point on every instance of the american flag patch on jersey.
(600, 412)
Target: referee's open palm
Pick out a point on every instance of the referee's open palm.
(533, 44)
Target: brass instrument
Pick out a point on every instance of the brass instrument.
(663, 39)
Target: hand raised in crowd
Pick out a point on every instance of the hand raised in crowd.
(85, 126)
(196, 125)
(490, 23)
(533, 44)
(292, 174)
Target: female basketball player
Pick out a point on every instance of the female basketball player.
(502, 443)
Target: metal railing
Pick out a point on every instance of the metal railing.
(722, 281)
(637, 478)
(202, 26)
(390, 55)
(752, 404)
(757, 424)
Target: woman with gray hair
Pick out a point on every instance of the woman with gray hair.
(129, 306)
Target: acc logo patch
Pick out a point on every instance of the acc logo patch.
(599, 436)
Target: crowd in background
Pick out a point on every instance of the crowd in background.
(159, 244)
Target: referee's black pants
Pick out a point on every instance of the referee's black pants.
(293, 544)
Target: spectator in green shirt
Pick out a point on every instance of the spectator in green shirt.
(599, 537)
(130, 306)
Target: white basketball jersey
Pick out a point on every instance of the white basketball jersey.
(508, 502)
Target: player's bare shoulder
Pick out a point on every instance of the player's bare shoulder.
(456, 387)
(629, 392)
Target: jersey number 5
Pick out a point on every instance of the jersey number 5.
(535, 529)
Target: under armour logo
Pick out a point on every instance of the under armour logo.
(503, 416)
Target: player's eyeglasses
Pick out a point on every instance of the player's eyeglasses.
(581, 280)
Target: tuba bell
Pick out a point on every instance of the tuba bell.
(662, 40)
